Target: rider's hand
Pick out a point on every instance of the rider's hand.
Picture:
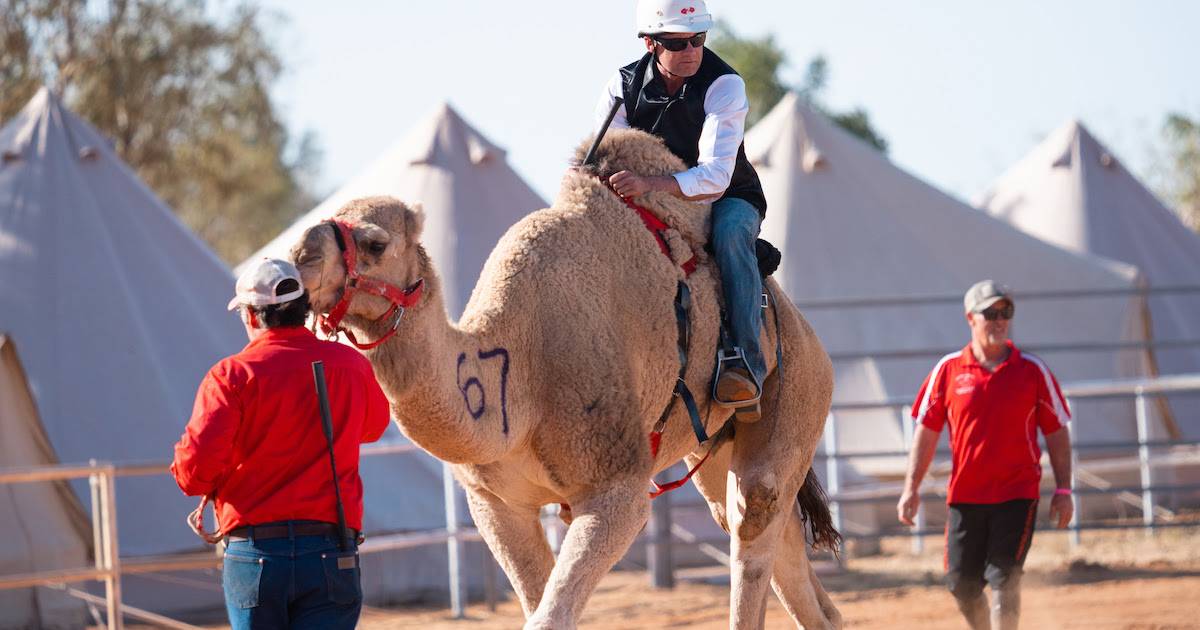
(906, 509)
(629, 185)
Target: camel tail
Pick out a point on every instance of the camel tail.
(814, 509)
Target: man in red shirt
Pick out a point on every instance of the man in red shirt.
(255, 444)
(994, 398)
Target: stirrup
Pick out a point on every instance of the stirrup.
(734, 356)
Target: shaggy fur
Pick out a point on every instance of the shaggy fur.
(545, 390)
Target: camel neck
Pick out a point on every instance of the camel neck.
(448, 387)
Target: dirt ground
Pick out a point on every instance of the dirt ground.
(1115, 580)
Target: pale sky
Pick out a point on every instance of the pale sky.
(961, 90)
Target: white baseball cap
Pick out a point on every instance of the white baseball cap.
(258, 283)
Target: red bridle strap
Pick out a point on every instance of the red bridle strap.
(400, 299)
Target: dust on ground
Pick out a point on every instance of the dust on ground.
(1114, 580)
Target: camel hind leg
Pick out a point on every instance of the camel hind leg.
(795, 580)
(768, 465)
(792, 576)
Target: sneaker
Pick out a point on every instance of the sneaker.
(735, 385)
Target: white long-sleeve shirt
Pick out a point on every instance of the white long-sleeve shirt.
(725, 109)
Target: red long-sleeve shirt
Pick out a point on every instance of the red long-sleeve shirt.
(255, 437)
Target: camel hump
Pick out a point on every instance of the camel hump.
(644, 154)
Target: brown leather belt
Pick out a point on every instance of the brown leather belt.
(263, 532)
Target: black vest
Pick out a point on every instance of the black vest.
(679, 119)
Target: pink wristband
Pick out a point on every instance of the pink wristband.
(1066, 492)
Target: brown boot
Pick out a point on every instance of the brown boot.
(735, 385)
(749, 413)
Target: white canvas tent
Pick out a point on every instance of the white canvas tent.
(855, 227)
(118, 310)
(1073, 192)
(44, 526)
(470, 194)
(117, 307)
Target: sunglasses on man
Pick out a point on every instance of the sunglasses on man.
(676, 45)
(992, 313)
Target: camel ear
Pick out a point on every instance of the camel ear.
(414, 222)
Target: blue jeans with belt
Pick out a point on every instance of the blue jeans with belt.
(735, 226)
(293, 582)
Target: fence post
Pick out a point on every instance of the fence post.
(453, 545)
(112, 549)
(658, 539)
(1143, 433)
(1075, 496)
(97, 517)
(832, 479)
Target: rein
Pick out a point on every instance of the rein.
(655, 225)
(400, 299)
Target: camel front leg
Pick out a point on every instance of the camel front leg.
(605, 524)
(515, 536)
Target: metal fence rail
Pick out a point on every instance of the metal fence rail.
(1140, 389)
(109, 566)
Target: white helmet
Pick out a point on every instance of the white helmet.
(672, 16)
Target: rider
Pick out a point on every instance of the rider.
(686, 95)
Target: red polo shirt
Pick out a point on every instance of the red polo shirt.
(255, 436)
(993, 417)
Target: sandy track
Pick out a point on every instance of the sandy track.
(1118, 581)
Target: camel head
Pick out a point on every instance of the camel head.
(629, 150)
(386, 234)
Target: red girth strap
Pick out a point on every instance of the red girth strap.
(401, 299)
(656, 439)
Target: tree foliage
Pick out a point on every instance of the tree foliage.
(759, 62)
(184, 98)
(1180, 168)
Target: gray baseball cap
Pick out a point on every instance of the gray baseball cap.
(985, 293)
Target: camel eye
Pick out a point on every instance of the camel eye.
(376, 247)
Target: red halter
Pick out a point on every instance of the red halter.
(400, 298)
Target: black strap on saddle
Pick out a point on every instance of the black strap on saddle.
(683, 305)
(768, 261)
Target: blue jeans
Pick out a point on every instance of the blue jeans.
(295, 582)
(735, 225)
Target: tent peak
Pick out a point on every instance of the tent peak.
(447, 129)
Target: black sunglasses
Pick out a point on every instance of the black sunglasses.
(992, 313)
(676, 45)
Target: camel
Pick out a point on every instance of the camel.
(546, 389)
